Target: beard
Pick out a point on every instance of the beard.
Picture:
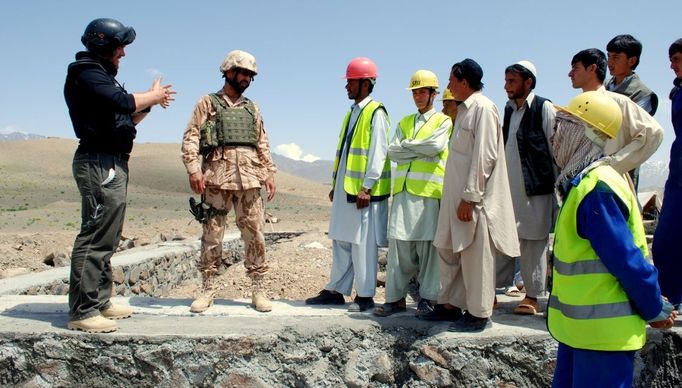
(515, 95)
(239, 87)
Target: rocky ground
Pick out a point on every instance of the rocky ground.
(299, 266)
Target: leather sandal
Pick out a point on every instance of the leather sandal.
(390, 308)
(527, 307)
(513, 291)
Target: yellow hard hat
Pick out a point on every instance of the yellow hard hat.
(423, 79)
(598, 110)
(447, 95)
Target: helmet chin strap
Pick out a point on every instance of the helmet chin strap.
(432, 97)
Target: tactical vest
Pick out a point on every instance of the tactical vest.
(537, 164)
(588, 308)
(358, 152)
(424, 176)
(232, 126)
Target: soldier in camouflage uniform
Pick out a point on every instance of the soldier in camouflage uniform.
(227, 155)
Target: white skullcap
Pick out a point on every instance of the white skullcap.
(528, 65)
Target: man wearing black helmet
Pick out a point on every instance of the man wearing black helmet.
(104, 116)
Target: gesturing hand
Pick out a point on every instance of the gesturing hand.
(165, 94)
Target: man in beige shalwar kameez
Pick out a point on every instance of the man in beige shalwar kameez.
(476, 219)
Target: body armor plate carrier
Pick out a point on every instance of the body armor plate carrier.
(232, 126)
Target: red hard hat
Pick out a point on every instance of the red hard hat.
(361, 67)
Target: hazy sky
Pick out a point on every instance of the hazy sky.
(302, 49)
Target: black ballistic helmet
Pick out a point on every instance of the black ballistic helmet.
(107, 34)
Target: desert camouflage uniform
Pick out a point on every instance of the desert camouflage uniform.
(233, 177)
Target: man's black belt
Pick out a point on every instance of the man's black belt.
(121, 156)
(125, 157)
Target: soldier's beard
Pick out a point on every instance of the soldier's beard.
(237, 86)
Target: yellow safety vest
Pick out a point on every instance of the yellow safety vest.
(588, 308)
(358, 152)
(422, 177)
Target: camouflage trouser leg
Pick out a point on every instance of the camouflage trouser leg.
(212, 237)
(248, 206)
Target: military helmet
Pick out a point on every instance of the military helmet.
(240, 59)
(106, 34)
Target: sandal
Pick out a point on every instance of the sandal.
(527, 307)
(513, 291)
(390, 308)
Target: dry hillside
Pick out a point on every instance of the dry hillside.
(40, 205)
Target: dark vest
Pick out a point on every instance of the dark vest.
(636, 90)
(537, 163)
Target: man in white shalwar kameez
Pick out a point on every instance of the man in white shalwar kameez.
(360, 194)
(476, 219)
(420, 148)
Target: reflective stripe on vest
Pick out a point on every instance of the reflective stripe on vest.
(422, 177)
(582, 267)
(588, 308)
(358, 152)
(604, 310)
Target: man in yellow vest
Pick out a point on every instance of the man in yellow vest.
(604, 290)
(420, 148)
(360, 189)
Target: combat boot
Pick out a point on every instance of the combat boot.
(202, 302)
(115, 311)
(96, 324)
(259, 300)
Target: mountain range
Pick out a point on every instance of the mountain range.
(652, 175)
(16, 136)
(318, 171)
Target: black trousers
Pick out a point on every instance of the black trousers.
(102, 181)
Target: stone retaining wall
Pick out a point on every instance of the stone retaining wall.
(333, 357)
(155, 275)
